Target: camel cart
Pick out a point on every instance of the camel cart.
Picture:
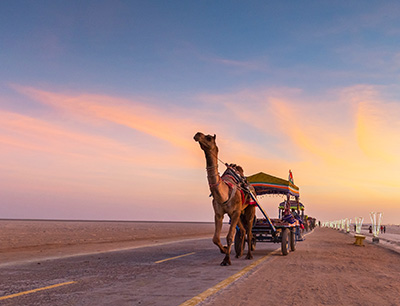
(296, 210)
(282, 230)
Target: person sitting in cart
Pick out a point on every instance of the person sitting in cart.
(298, 218)
(287, 215)
(298, 232)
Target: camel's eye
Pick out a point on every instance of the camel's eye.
(208, 137)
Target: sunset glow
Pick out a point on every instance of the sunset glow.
(110, 135)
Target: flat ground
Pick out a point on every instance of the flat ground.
(22, 240)
(326, 269)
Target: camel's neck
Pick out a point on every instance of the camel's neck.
(219, 190)
(212, 169)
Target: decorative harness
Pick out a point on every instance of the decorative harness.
(234, 181)
(229, 179)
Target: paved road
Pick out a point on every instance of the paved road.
(166, 274)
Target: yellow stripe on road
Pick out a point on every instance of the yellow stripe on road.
(175, 257)
(202, 296)
(225, 283)
(35, 290)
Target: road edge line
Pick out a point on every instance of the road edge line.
(35, 290)
(223, 284)
(175, 257)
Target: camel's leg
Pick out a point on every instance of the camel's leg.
(229, 238)
(250, 212)
(218, 226)
(242, 233)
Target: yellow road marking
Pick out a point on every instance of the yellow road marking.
(35, 290)
(175, 257)
(202, 296)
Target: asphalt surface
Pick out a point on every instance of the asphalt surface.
(167, 274)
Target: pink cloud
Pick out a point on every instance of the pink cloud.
(116, 147)
(155, 122)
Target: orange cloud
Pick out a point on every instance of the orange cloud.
(377, 130)
(162, 124)
(341, 151)
(49, 156)
(38, 135)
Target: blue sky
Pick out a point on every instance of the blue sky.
(283, 84)
(184, 46)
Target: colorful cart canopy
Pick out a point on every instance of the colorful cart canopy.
(267, 184)
(293, 205)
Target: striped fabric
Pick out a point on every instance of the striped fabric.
(293, 205)
(267, 184)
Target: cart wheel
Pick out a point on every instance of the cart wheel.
(239, 249)
(292, 241)
(285, 241)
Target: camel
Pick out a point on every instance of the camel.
(227, 199)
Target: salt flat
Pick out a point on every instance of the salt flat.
(22, 240)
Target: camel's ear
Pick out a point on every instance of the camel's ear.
(215, 136)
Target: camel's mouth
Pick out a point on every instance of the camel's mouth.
(198, 136)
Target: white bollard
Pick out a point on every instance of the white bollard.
(359, 222)
(376, 218)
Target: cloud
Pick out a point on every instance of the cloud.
(340, 150)
(345, 144)
(377, 131)
(35, 134)
(137, 116)
(245, 65)
(56, 158)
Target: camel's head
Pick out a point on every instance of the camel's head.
(207, 142)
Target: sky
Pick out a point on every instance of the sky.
(100, 100)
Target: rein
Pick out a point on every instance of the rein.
(229, 177)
